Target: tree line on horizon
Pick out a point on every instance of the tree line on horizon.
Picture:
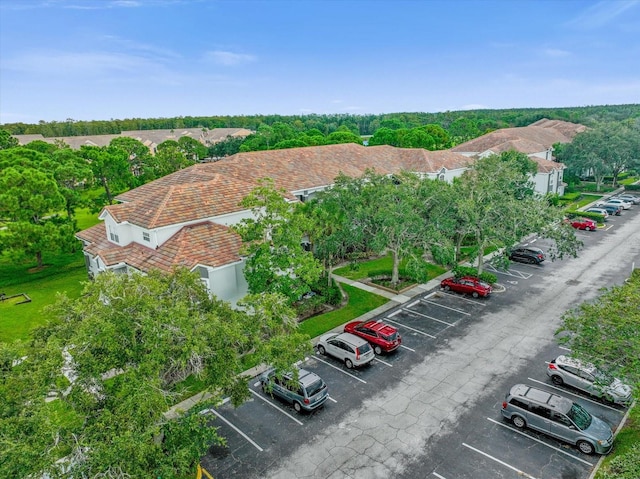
(460, 124)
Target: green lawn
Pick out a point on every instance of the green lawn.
(628, 437)
(62, 272)
(364, 269)
(360, 302)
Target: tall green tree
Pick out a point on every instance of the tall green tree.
(276, 260)
(7, 141)
(111, 168)
(28, 197)
(112, 359)
(496, 207)
(606, 149)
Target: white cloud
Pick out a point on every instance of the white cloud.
(66, 63)
(602, 13)
(228, 58)
(556, 52)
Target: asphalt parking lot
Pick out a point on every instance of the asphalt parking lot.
(382, 412)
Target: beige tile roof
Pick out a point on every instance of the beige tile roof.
(544, 133)
(150, 138)
(167, 203)
(204, 243)
(206, 190)
(547, 166)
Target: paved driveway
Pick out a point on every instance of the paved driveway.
(433, 410)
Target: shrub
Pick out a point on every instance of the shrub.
(586, 214)
(570, 196)
(460, 271)
(633, 187)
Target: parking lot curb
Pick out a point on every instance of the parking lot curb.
(615, 434)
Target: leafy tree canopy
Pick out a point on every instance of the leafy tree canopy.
(112, 360)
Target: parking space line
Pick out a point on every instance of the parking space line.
(332, 400)
(564, 348)
(341, 370)
(539, 441)
(463, 298)
(276, 407)
(412, 304)
(430, 317)
(395, 312)
(520, 473)
(383, 362)
(236, 429)
(574, 394)
(446, 307)
(406, 347)
(509, 272)
(410, 328)
(437, 475)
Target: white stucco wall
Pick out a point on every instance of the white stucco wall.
(227, 282)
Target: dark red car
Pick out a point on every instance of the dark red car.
(467, 285)
(584, 224)
(381, 336)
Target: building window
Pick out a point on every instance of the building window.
(113, 236)
(146, 236)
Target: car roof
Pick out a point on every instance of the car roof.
(539, 396)
(308, 377)
(351, 339)
(380, 327)
(576, 363)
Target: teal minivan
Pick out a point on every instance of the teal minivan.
(308, 392)
(557, 416)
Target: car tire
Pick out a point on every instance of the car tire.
(265, 389)
(475, 294)
(588, 228)
(297, 406)
(447, 288)
(557, 380)
(585, 447)
(321, 350)
(377, 350)
(519, 422)
(348, 363)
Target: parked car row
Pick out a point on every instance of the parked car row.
(614, 205)
(562, 418)
(354, 347)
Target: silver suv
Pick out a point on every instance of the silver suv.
(586, 377)
(308, 392)
(347, 347)
(557, 416)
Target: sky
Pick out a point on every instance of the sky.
(117, 59)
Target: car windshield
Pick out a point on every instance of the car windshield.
(364, 348)
(389, 337)
(315, 387)
(580, 416)
(602, 377)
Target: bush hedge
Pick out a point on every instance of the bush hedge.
(585, 214)
(459, 271)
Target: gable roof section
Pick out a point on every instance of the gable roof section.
(204, 243)
(568, 129)
(170, 203)
(543, 132)
(547, 166)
